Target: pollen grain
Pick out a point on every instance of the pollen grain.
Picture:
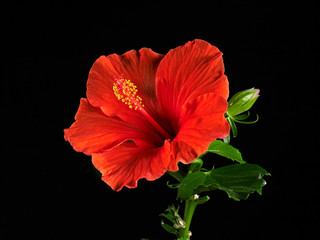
(126, 91)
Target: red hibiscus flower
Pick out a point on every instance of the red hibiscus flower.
(145, 111)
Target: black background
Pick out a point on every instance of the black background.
(52, 192)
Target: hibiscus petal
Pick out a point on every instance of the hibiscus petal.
(202, 121)
(93, 131)
(139, 67)
(125, 164)
(187, 72)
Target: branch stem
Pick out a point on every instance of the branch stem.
(190, 206)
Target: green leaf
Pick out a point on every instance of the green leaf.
(233, 127)
(225, 150)
(179, 175)
(190, 183)
(168, 228)
(202, 200)
(173, 185)
(242, 116)
(196, 165)
(169, 216)
(227, 139)
(238, 180)
(247, 122)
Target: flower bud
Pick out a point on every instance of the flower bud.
(242, 101)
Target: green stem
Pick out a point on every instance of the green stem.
(190, 206)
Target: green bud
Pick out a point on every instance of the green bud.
(242, 101)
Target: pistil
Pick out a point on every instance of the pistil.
(126, 92)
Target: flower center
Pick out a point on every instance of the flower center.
(126, 92)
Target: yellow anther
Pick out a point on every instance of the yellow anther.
(126, 91)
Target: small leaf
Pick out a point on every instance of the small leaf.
(173, 185)
(247, 122)
(225, 150)
(196, 165)
(168, 228)
(233, 127)
(169, 216)
(202, 200)
(179, 175)
(191, 182)
(242, 116)
(227, 139)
